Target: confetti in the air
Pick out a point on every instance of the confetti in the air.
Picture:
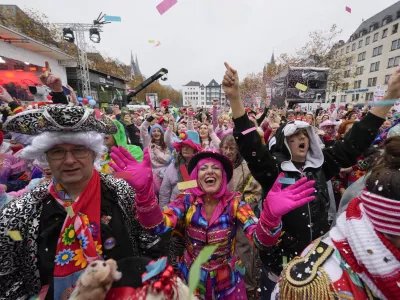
(301, 87)
(348, 9)
(244, 132)
(285, 180)
(70, 211)
(184, 185)
(165, 5)
(158, 44)
(15, 235)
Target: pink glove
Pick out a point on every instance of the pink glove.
(149, 213)
(279, 202)
(142, 176)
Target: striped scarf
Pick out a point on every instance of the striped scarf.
(367, 251)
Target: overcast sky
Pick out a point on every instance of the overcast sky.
(197, 36)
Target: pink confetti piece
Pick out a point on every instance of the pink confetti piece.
(165, 5)
(248, 130)
(348, 9)
(123, 175)
(18, 164)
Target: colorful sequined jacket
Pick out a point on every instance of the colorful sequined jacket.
(224, 268)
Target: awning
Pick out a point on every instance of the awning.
(30, 44)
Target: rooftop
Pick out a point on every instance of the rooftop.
(193, 83)
(22, 41)
(380, 19)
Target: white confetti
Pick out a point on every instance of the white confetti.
(380, 188)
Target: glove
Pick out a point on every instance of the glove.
(142, 177)
(279, 202)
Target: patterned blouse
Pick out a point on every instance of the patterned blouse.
(224, 268)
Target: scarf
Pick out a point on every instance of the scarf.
(80, 242)
(367, 251)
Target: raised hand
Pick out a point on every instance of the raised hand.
(52, 81)
(281, 201)
(142, 176)
(230, 83)
(4, 95)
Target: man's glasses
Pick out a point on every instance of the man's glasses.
(58, 154)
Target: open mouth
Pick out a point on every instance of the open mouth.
(210, 180)
(302, 145)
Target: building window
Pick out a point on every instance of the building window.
(360, 43)
(384, 33)
(393, 61)
(347, 49)
(345, 86)
(367, 39)
(349, 61)
(377, 51)
(359, 70)
(355, 97)
(387, 78)
(369, 96)
(372, 81)
(361, 56)
(343, 98)
(346, 74)
(375, 37)
(342, 51)
(395, 45)
(353, 47)
(395, 28)
(357, 84)
(374, 67)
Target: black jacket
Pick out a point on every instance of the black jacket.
(134, 135)
(310, 221)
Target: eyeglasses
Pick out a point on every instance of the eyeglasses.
(58, 154)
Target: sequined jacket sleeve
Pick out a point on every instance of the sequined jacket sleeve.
(173, 213)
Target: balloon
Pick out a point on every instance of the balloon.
(89, 97)
(49, 97)
(80, 99)
(92, 102)
(85, 101)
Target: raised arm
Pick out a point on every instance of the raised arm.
(168, 134)
(260, 161)
(360, 137)
(144, 132)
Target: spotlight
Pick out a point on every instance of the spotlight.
(27, 63)
(94, 35)
(68, 35)
(2, 61)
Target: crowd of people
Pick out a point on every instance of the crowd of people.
(118, 204)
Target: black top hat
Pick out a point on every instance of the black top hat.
(226, 163)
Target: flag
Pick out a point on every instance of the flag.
(348, 9)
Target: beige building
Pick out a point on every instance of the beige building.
(373, 52)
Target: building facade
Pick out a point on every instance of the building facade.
(196, 94)
(372, 53)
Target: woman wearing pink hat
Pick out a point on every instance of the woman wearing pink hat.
(211, 214)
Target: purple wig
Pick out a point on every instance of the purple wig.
(198, 191)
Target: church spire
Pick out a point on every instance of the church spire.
(272, 57)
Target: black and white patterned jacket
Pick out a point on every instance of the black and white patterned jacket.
(19, 267)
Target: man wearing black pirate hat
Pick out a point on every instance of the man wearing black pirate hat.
(49, 235)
